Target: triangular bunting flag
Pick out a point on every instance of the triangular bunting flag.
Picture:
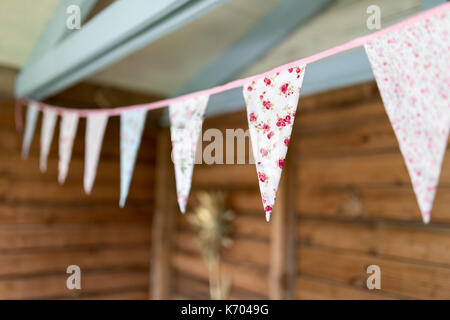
(95, 130)
(186, 118)
(68, 128)
(30, 126)
(48, 128)
(412, 69)
(131, 127)
(271, 106)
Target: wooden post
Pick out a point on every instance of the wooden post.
(282, 272)
(163, 219)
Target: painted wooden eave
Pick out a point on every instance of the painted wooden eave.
(108, 37)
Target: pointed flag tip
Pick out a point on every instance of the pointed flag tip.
(268, 214)
(182, 207)
(426, 217)
(87, 191)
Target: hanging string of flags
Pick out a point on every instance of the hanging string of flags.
(411, 64)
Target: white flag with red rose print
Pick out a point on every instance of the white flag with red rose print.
(412, 69)
(48, 128)
(67, 130)
(95, 130)
(131, 127)
(30, 126)
(186, 120)
(271, 106)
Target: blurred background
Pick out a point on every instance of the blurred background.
(345, 200)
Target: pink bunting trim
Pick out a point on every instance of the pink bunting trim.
(358, 42)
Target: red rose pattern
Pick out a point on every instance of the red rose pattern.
(267, 105)
(271, 107)
(264, 152)
(262, 177)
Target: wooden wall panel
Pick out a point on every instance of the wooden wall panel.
(352, 196)
(248, 260)
(45, 227)
(356, 207)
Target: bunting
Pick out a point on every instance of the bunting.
(95, 130)
(131, 127)
(186, 119)
(68, 128)
(411, 64)
(411, 67)
(271, 106)
(48, 128)
(30, 127)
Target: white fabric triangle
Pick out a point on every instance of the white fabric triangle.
(412, 69)
(68, 128)
(271, 106)
(186, 119)
(95, 130)
(30, 127)
(48, 128)
(131, 127)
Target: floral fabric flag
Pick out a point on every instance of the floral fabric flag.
(48, 128)
(30, 126)
(271, 106)
(68, 128)
(95, 130)
(131, 127)
(412, 69)
(186, 119)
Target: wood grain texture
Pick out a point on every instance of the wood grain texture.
(354, 202)
(402, 278)
(352, 196)
(45, 227)
(164, 220)
(244, 277)
(356, 207)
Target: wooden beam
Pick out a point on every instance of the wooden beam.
(56, 28)
(282, 272)
(109, 37)
(428, 4)
(103, 33)
(270, 30)
(163, 220)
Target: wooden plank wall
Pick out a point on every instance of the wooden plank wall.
(247, 262)
(354, 203)
(351, 193)
(356, 206)
(45, 227)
